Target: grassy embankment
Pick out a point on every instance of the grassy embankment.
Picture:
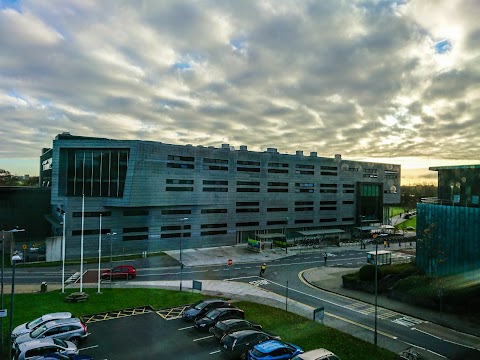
(290, 327)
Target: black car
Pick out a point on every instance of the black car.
(237, 344)
(200, 308)
(225, 327)
(218, 314)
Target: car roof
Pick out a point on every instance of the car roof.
(242, 333)
(36, 343)
(270, 345)
(61, 322)
(57, 315)
(208, 301)
(315, 354)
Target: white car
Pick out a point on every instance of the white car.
(33, 349)
(318, 354)
(28, 327)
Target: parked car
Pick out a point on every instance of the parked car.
(274, 350)
(225, 327)
(33, 349)
(121, 272)
(30, 326)
(60, 356)
(214, 315)
(237, 344)
(200, 308)
(318, 354)
(73, 330)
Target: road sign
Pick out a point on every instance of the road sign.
(374, 236)
(3, 313)
(24, 246)
(230, 262)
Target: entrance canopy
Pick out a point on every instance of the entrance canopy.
(270, 236)
(376, 228)
(321, 232)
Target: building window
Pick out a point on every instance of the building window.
(215, 182)
(180, 166)
(213, 232)
(248, 203)
(251, 223)
(135, 229)
(135, 237)
(277, 222)
(245, 210)
(305, 208)
(215, 161)
(174, 227)
(179, 181)
(211, 189)
(247, 162)
(304, 187)
(328, 220)
(95, 173)
(348, 219)
(176, 212)
(328, 188)
(304, 169)
(248, 169)
(180, 158)
(328, 208)
(89, 232)
(91, 213)
(348, 202)
(180, 188)
(214, 211)
(213, 226)
(304, 221)
(248, 190)
(277, 209)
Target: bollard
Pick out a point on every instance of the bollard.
(43, 287)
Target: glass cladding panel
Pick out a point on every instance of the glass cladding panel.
(79, 173)
(70, 173)
(87, 168)
(96, 173)
(105, 179)
(123, 171)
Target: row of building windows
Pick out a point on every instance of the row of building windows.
(298, 189)
(256, 183)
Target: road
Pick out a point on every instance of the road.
(284, 277)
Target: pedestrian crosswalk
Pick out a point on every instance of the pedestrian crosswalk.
(384, 314)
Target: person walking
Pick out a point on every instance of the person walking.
(325, 256)
(262, 269)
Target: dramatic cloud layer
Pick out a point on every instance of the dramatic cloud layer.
(389, 79)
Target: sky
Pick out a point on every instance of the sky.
(381, 81)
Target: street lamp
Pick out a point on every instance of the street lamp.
(376, 289)
(3, 267)
(111, 250)
(15, 258)
(181, 250)
(286, 241)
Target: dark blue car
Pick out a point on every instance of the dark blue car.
(200, 308)
(274, 350)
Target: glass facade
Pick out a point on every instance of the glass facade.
(369, 202)
(448, 239)
(96, 172)
(461, 185)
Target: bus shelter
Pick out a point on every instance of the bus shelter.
(383, 257)
(320, 235)
(260, 240)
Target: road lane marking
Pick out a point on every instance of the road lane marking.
(88, 347)
(203, 338)
(440, 338)
(408, 321)
(215, 352)
(185, 328)
(361, 325)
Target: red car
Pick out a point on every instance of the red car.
(121, 272)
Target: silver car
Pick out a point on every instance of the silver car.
(73, 330)
(34, 349)
(30, 326)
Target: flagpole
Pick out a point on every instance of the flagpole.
(99, 251)
(81, 243)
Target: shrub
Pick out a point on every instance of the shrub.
(367, 273)
(348, 278)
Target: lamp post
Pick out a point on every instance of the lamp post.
(111, 249)
(376, 289)
(63, 252)
(99, 252)
(15, 258)
(1, 292)
(181, 250)
(286, 241)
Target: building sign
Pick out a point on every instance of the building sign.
(319, 314)
(47, 164)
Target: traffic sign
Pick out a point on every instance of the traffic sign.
(24, 246)
(3, 313)
(230, 262)
(374, 236)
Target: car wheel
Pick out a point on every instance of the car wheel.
(75, 340)
(130, 276)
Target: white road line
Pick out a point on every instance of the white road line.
(88, 347)
(214, 352)
(438, 337)
(185, 328)
(248, 267)
(203, 338)
(216, 270)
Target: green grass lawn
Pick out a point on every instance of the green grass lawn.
(290, 327)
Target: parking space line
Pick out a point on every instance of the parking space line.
(203, 338)
(186, 328)
(215, 352)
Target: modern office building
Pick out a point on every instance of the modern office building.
(151, 194)
(448, 227)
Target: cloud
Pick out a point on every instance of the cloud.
(371, 79)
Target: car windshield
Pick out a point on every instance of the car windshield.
(61, 343)
(212, 314)
(221, 325)
(38, 331)
(258, 353)
(34, 323)
(200, 305)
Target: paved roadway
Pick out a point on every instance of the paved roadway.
(284, 277)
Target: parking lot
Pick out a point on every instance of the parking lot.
(147, 334)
